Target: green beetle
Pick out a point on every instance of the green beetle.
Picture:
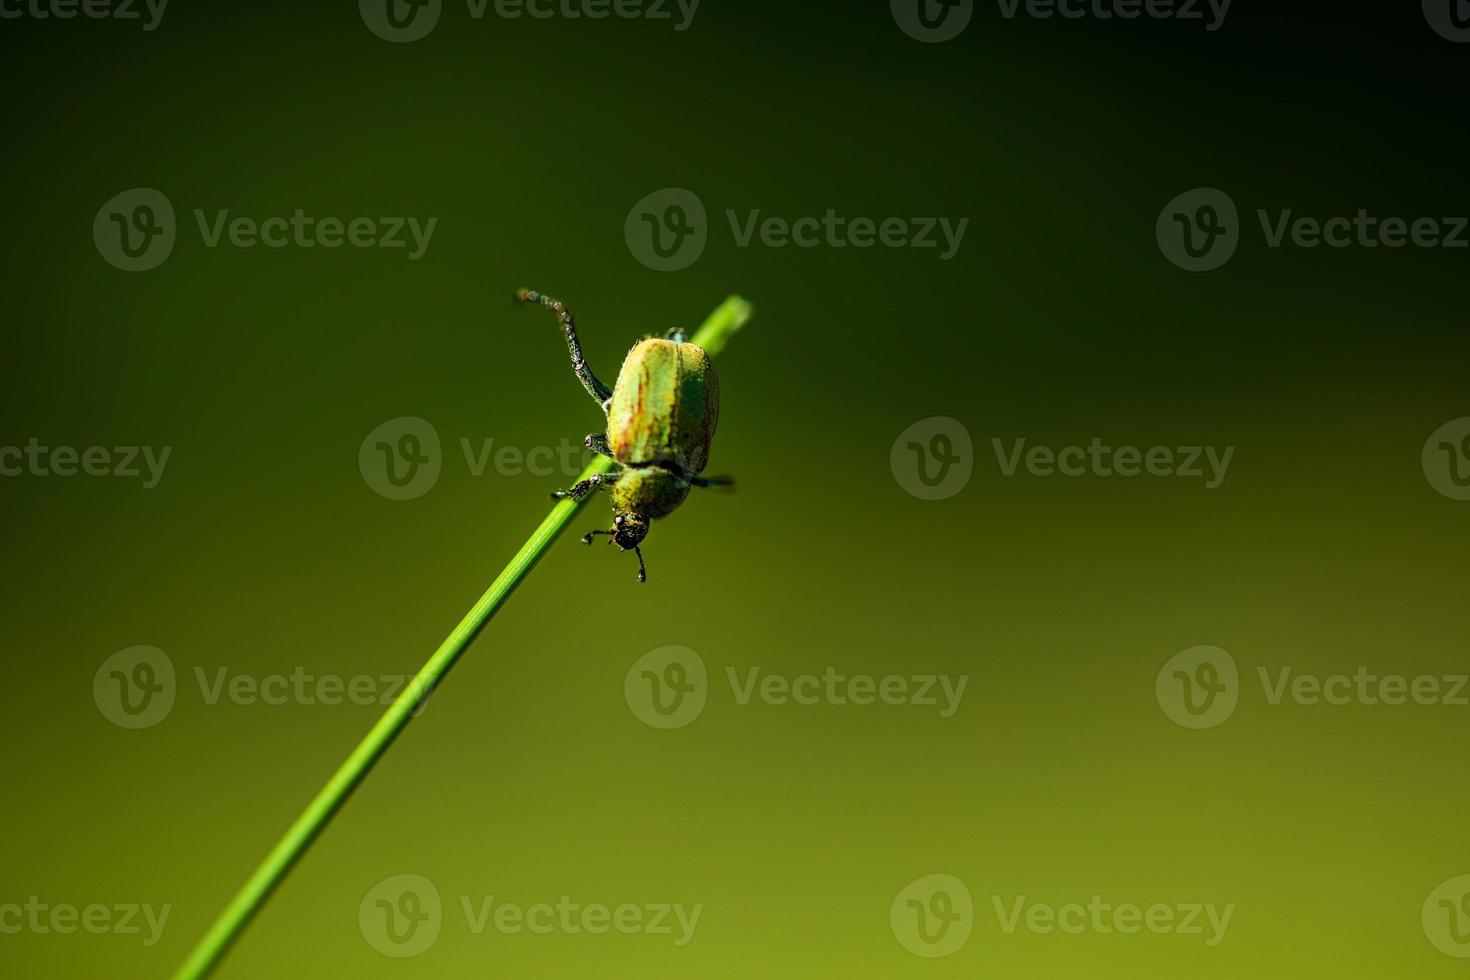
(661, 419)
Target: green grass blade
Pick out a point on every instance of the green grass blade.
(729, 317)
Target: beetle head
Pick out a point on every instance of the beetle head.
(628, 530)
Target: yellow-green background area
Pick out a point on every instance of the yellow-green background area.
(528, 777)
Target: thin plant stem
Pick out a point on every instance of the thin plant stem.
(712, 335)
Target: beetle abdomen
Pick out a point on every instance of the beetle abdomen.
(665, 406)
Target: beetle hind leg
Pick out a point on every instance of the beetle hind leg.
(712, 481)
(584, 487)
(677, 335)
(598, 444)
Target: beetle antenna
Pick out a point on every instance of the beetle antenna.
(587, 538)
(595, 388)
(642, 572)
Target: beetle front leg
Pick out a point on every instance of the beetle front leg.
(584, 487)
(599, 391)
(642, 568)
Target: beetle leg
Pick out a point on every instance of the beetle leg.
(677, 335)
(642, 569)
(598, 444)
(712, 481)
(584, 487)
(600, 392)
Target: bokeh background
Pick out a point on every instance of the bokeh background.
(264, 549)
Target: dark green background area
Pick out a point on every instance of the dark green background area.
(528, 777)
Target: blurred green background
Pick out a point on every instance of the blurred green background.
(263, 549)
